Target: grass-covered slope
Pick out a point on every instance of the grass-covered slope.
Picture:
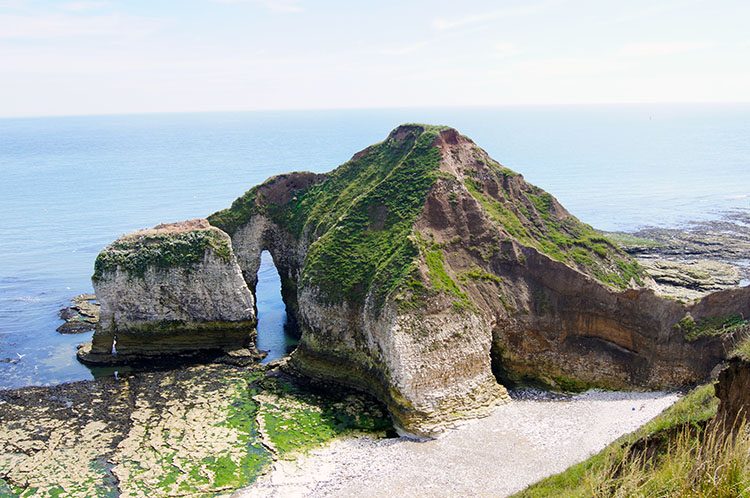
(360, 217)
(535, 218)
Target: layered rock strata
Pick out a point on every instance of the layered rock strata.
(172, 289)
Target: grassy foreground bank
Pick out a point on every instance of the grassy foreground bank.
(677, 454)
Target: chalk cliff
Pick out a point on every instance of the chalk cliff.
(423, 271)
(175, 288)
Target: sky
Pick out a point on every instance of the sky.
(130, 56)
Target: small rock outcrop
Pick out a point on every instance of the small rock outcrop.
(81, 316)
(176, 288)
(690, 279)
(732, 390)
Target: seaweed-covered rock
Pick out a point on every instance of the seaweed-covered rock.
(175, 288)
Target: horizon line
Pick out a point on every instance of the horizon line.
(393, 108)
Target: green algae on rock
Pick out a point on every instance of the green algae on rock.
(188, 432)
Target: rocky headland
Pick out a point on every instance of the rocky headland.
(423, 272)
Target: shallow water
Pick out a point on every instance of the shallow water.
(272, 318)
(72, 185)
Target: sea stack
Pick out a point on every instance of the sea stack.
(172, 289)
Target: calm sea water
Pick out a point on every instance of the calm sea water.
(71, 185)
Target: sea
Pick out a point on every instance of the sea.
(72, 185)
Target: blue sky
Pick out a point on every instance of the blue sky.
(113, 56)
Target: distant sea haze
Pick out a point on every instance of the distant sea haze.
(71, 185)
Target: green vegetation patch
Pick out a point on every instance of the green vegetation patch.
(183, 250)
(742, 348)
(479, 274)
(712, 326)
(242, 209)
(629, 242)
(366, 238)
(439, 278)
(296, 419)
(531, 221)
(360, 218)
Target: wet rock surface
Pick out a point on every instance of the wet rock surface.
(192, 431)
(690, 279)
(81, 316)
(727, 239)
(689, 262)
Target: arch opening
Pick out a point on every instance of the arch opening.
(276, 329)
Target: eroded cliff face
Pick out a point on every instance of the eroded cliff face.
(422, 271)
(565, 307)
(172, 289)
(732, 388)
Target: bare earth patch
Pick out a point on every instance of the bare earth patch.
(517, 445)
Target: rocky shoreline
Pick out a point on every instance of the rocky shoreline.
(690, 262)
(97, 436)
(192, 431)
(81, 316)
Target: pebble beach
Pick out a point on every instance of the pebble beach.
(532, 437)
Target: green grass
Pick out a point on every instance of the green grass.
(439, 278)
(360, 218)
(712, 326)
(182, 250)
(478, 274)
(742, 347)
(498, 211)
(532, 222)
(684, 460)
